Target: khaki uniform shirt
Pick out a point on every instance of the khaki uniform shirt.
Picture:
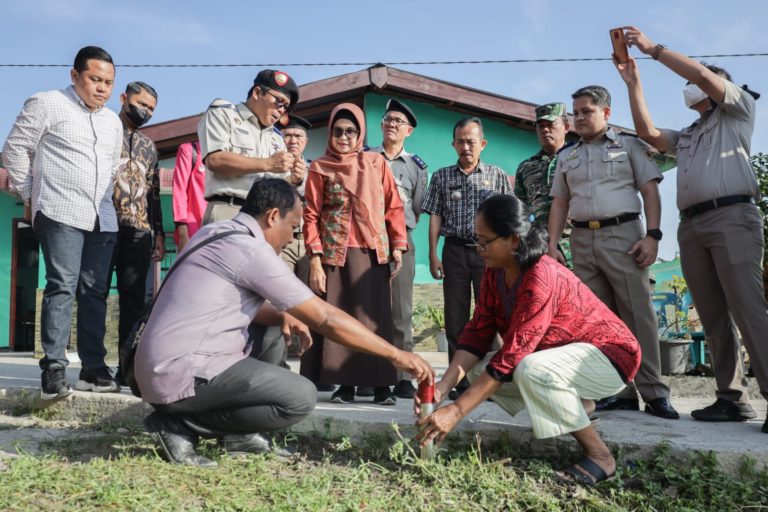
(234, 128)
(713, 153)
(411, 181)
(601, 179)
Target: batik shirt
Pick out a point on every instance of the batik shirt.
(136, 193)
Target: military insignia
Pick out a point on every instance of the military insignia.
(280, 78)
(284, 120)
(336, 187)
(242, 130)
(615, 145)
(421, 163)
(455, 195)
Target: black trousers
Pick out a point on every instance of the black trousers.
(130, 262)
(253, 395)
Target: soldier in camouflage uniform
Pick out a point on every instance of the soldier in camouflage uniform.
(534, 176)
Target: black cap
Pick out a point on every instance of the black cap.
(278, 81)
(294, 121)
(396, 106)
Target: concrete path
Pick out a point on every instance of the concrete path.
(635, 434)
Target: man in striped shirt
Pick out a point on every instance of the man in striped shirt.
(61, 156)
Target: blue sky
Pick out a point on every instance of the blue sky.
(158, 31)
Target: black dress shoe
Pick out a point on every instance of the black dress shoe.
(404, 389)
(614, 403)
(725, 410)
(662, 408)
(178, 447)
(252, 443)
(364, 391)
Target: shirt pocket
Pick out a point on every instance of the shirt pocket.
(616, 163)
(573, 172)
(242, 143)
(682, 151)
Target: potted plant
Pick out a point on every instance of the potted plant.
(674, 337)
(438, 319)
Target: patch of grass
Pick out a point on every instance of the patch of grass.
(382, 473)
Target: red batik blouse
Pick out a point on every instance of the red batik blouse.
(547, 307)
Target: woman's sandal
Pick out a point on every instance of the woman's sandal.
(578, 475)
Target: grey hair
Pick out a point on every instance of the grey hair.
(136, 87)
(599, 94)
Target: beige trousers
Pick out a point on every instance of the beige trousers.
(551, 383)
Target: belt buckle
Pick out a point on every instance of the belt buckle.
(594, 224)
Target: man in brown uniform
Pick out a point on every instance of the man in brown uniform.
(720, 234)
(598, 178)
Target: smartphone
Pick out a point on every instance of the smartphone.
(619, 45)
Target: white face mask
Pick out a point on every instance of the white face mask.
(693, 95)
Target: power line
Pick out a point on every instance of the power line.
(403, 63)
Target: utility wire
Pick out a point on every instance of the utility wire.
(404, 63)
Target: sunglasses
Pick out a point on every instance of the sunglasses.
(350, 133)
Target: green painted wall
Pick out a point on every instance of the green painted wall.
(507, 147)
(9, 209)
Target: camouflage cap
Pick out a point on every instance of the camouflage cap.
(550, 111)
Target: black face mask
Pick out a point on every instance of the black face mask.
(138, 116)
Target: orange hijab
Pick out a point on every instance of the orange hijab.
(359, 172)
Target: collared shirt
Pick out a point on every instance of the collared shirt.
(601, 179)
(62, 157)
(456, 196)
(137, 184)
(548, 308)
(199, 323)
(411, 181)
(533, 181)
(235, 128)
(713, 153)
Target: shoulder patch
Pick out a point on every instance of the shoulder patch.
(220, 103)
(421, 163)
(567, 145)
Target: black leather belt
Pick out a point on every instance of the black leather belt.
(604, 223)
(452, 240)
(718, 202)
(227, 199)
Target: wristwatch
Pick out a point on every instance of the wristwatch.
(657, 50)
(654, 233)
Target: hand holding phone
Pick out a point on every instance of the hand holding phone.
(620, 50)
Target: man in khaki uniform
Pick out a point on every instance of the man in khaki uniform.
(239, 144)
(721, 231)
(598, 178)
(410, 174)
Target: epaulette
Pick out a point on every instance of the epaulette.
(220, 103)
(366, 148)
(277, 131)
(308, 162)
(421, 163)
(567, 145)
(625, 134)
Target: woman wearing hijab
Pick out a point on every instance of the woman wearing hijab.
(353, 225)
(562, 345)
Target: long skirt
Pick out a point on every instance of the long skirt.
(361, 289)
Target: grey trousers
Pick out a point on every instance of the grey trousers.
(253, 395)
(402, 303)
(600, 259)
(721, 255)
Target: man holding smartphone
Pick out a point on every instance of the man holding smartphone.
(598, 179)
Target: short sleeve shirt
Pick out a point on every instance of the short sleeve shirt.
(235, 128)
(411, 181)
(456, 196)
(601, 179)
(199, 323)
(713, 153)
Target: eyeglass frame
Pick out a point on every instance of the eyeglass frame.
(279, 103)
(338, 133)
(395, 121)
(483, 246)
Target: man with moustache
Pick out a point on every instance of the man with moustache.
(61, 156)
(136, 196)
(598, 179)
(410, 174)
(239, 142)
(452, 199)
(534, 176)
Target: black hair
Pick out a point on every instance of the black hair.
(136, 87)
(250, 91)
(506, 216)
(599, 95)
(461, 123)
(718, 71)
(269, 193)
(90, 52)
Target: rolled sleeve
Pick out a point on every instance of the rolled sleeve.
(214, 131)
(19, 148)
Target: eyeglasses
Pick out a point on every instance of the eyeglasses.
(396, 121)
(483, 246)
(350, 133)
(280, 104)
